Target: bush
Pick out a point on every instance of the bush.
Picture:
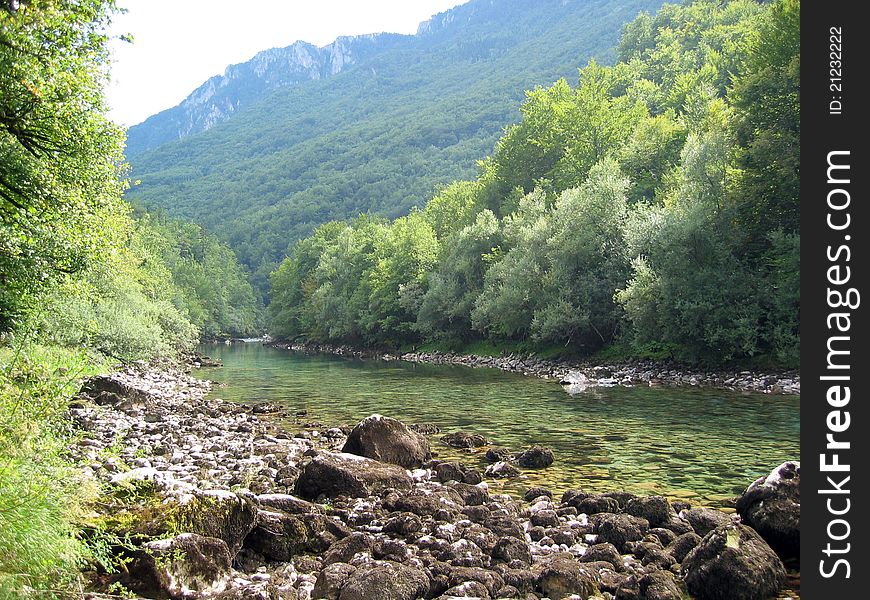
(40, 494)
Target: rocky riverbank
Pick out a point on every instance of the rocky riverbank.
(209, 499)
(576, 376)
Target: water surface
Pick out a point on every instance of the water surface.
(702, 445)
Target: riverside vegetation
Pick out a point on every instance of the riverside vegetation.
(651, 209)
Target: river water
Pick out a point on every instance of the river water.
(700, 445)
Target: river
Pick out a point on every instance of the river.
(700, 445)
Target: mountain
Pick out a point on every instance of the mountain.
(241, 85)
(402, 116)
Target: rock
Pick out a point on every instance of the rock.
(212, 513)
(536, 457)
(388, 440)
(331, 579)
(502, 470)
(621, 529)
(498, 454)
(660, 585)
(561, 576)
(462, 439)
(450, 471)
(705, 520)
(385, 580)
(332, 474)
(425, 428)
(592, 505)
(113, 390)
(733, 562)
(536, 492)
(472, 495)
(509, 549)
(654, 509)
(287, 503)
(545, 518)
(469, 589)
(345, 549)
(664, 536)
(279, 536)
(490, 580)
(772, 506)
(403, 524)
(682, 545)
(605, 552)
(180, 565)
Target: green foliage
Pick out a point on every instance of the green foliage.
(40, 494)
(210, 287)
(380, 136)
(59, 156)
(640, 210)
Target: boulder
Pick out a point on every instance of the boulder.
(654, 509)
(733, 562)
(498, 454)
(772, 506)
(536, 457)
(287, 503)
(212, 513)
(705, 520)
(604, 552)
(592, 505)
(680, 547)
(385, 580)
(279, 536)
(502, 470)
(388, 440)
(344, 550)
(181, 565)
(331, 579)
(509, 549)
(660, 585)
(536, 492)
(563, 576)
(112, 390)
(463, 439)
(621, 529)
(333, 474)
(468, 589)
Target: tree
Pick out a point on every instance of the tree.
(60, 189)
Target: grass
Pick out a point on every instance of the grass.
(41, 495)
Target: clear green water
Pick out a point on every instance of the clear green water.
(701, 445)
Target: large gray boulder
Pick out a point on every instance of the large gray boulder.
(181, 566)
(732, 562)
(562, 576)
(772, 507)
(388, 440)
(385, 580)
(332, 474)
(280, 536)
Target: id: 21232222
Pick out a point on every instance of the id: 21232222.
(835, 70)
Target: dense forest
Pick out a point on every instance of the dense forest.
(379, 136)
(84, 282)
(650, 209)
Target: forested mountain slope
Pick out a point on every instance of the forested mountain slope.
(381, 135)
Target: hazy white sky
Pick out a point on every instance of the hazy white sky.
(181, 43)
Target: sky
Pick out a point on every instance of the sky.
(179, 44)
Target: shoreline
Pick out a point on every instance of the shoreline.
(578, 375)
(228, 481)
